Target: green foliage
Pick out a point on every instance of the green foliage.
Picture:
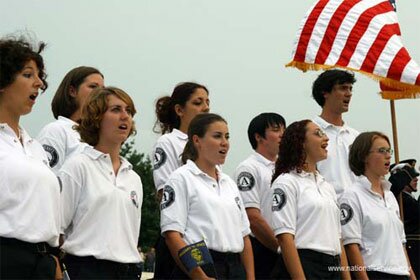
(142, 165)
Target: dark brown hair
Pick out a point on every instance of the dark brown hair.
(292, 154)
(198, 126)
(360, 150)
(63, 104)
(167, 119)
(14, 54)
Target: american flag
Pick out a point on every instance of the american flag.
(359, 35)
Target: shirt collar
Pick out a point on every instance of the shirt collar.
(197, 171)
(67, 120)
(304, 174)
(178, 133)
(367, 185)
(324, 124)
(8, 130)
(96, 155)
(259, 157)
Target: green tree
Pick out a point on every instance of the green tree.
(142, 165)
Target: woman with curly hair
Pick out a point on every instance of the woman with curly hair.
(305, 213)
(30, 192)
(102, 195)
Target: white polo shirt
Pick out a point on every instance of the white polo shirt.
(101, 210)
(335, 168)
(60, 140)
(201, 208)
(373, 222)
(306, 206)
(167, 156)
(29, 190)
(253, 178)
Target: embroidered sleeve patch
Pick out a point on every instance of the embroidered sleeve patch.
(159, 158)
(245, 181)
(346, 213)
(168, 197)
(134, 199)
(52, 154)
(194, 255)
(279, 200)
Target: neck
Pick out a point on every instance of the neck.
(114, 152)
(183, 127)
(376, 182)
(309, 167)
(206, 167)
(76, 115)
(332, 118)
(11, 120)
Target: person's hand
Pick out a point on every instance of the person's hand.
(399, 179)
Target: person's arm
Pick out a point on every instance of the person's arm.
(175, 243)
(345, 272)
(412, 274)
(261, 229)
(356, 261)
(247, 259)
(290, 255)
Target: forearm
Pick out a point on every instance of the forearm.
(355, 260)
(261, 229)
(175, 243)
(345, 272)
(290, 256)
(247, 259)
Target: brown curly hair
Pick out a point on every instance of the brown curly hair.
(292, 155)
(94, 109)
(14, 54)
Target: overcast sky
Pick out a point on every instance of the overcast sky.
(236, 48)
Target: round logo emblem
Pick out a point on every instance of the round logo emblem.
(168, 197)
(134, 199)
(279, 200)
(346, 213)
(51, 154)
(159, 158)
(245, 181)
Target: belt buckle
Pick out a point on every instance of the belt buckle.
(41, 247)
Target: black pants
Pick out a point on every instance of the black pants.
(24, 260)
(264, 260)
(92, 268)
(384, 276)
(315, 265)
(413, 251)
(225, 266)
(164, 263)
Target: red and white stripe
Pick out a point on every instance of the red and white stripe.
(362, 35)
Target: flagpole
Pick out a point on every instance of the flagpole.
(394, 131)
(396, 151)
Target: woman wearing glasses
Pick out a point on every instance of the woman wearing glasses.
(306, 216)
(373, 233)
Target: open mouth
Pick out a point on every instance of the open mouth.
(223, 152)
(387, 165)
(324, 146)
(33, 96)
(123, 127)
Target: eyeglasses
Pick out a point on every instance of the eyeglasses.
(320, 133)
(384, 151)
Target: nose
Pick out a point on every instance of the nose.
(38, 82)
(206, 108)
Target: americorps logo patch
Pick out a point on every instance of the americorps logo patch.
(245, 181)
(346, 213)
(168, 197)
(159, 158)
(52, 155)
(279, 200)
